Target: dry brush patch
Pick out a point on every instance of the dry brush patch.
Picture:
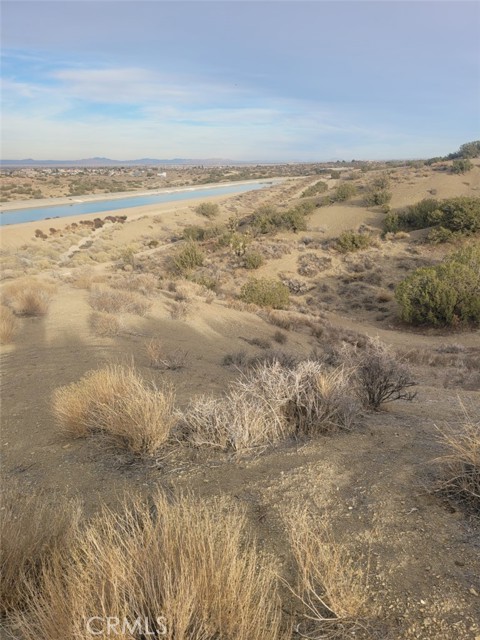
(332, 586)
(118, 301)
(31, 532)
(8, 325)
(460, 464)
(116, 402)
(28, 297)
(270, 403)
(104, 324)
(191, 563)
(161, 358)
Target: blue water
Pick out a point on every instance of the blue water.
(78, 209)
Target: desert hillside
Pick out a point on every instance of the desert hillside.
(253, 377)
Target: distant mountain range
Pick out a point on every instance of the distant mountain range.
(108, 162)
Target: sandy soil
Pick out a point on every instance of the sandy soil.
(375, 483)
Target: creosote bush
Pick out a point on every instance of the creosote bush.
(116, 402)
(349, 241)
(253, 260)
(447, 294)
(266, 292)
(187, 258)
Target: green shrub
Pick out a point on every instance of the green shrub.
(351, 241)
(253, 260)
(268, 219)
(461, 214)
(344, 192)
(266, 292)
(438, 235)
(375, 197)
(315, 189)
(470, 149)
(447, 294)
(197, 233)
(462, 165)
(207, 209)
(187, 258)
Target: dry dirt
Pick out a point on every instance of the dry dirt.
(375, 484)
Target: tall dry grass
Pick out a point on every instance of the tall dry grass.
(28, 297)
(31, 532)
(331, 586)
(460, 464)
(190, 562)
(116, 401)
(8, 325)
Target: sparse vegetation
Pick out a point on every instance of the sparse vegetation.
(104, 324)
(315, 189)
(345, 191)
(253, 260)
(161, 358)
(461, 165)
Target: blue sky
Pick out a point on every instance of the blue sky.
(246, 80)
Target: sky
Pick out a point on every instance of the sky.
(272, 81)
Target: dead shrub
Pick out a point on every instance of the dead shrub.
(31, 531)
(115, 401)
(461, 463)
(104, 324)
(381, 376)
(118, 301)
(191, 562)
(331, 586)
(8, 325)
(237, 359)
(160, 358)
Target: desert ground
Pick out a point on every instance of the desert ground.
(397, 553)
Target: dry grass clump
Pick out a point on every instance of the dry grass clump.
(461, 462)
(115, 401)
(118, 301)
(187, 567)
(322, 400)
(331, 586)
(8, 325)
(28, 297)
(104, 324)
(180, 310)
(31, 531)
(144, 283)
(160, 358)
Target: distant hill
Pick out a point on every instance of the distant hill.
(107, 162)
